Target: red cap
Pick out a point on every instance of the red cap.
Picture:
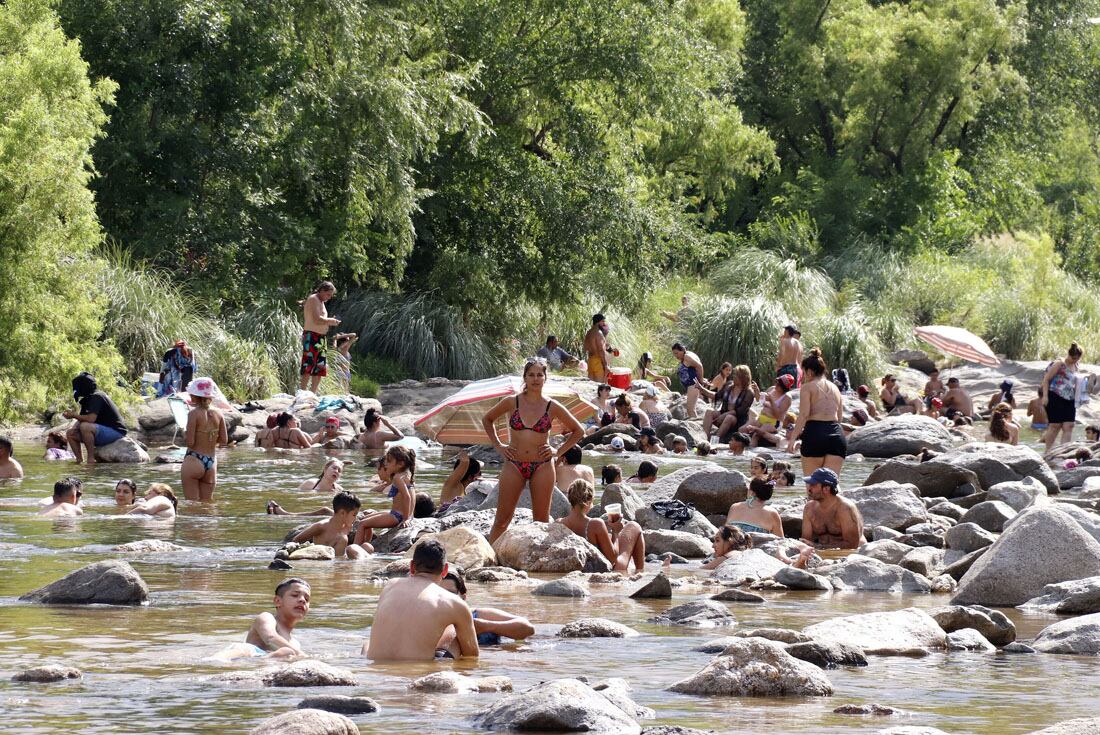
(863, 391)
(786, 380)
(332, 421)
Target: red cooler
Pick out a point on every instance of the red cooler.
(619, 377)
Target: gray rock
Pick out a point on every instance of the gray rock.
(1018, 494)
(126, 450)
(541, 547)
(755, 667)
(713, 491)
(1076, 597)
(947, 509)
(110, 582)
(675, 730)
(596, 628)
(748, 566)
(992, 624)
(1078, 636)
(655, 589)
(309, 673)
(735, 595)
(995, 463)
(968, 639)
(149, 546)
(452, 682)
(604, 434)
(990, 515)
(47, 674)
(828, 654)
(1076, 477)
(306, 722)
(894, 435)
(888, 504)
(1087, 520)
(688, 545)
(1017, 647)
(1079, 726)
(781, 635)
(651, 520)
(340, 704)
(915, 359)
(561, 705)
(967, 537)
(617, 691)
(862, 573)
(697, 614)
(1041, 546)
(624, 495)
(958, 568)
(561, 588)
(932, 478)
(882, 533)
(800, 579)
(927, 561)
(495, 574)
(911, 730)
(716, 645)
(665, 486)
(399, 540)
(888, 551)
(898, 632)
(877, 710)
(559, 504)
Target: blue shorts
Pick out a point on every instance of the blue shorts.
(105, 435)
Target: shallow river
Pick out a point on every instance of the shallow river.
(148, 669)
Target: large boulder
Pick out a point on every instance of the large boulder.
(340, 703)
(542, 547)
(828, 655)
(562, 587)
(995, 463)
(596, 628)
(800, 579)
(126, 450)
(1076, 476)
(306, 722)
(687, 545)
(697, 614)
(748, 566)
(665, 486)
(888, 504)
(898, 632)
(698, 524)
(933, 478)
(400, 539)
(888, 551)
(924, 561)
(692, 432)
(1041, 546)
(1079, 726)
(604, 434)
(309, 673)
(1086, 519)
(994, 625)
(968, 639)
(465, 547)
(894, 435)
(1076, 597)
(713, 491)
(559, 504)
(110, 582)
(992, 515)
(561, 705)
(625, 496)
(1079, 636)
(870, 575)
(755, 667)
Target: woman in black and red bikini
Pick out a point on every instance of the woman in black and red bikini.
(528, 451)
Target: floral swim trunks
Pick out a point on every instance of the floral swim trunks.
(313, 354)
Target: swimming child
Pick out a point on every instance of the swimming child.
(273, 635)
(334, 531)
(399, 464)
(758, 467)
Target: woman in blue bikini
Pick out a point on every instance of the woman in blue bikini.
(528, 451)
(205, 432)
(751, 516)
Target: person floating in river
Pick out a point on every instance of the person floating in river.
(334, 531)
(399, 465)
(273, 635)
(125, 493)
(159, 502)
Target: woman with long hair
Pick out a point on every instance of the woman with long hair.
(820, 412)
(1060, 396)
(1001, 426)
(644, 373)
(205, 433)
(733, 403)
(528, 454)
(159, 502)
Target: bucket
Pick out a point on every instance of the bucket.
(618, 377)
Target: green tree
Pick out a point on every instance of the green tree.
(50, 114)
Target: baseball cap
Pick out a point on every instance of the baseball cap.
(332, 421)
(822, 476)
(863, 391)
(617, 442)
(786, 380)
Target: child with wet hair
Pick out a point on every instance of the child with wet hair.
(334, 531)
(273, 635)
(399, 464)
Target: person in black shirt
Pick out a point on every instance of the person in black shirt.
(97, 424)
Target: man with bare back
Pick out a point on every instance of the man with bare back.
(595, 344)
(829, 521)
(316, 323)
(790, 354)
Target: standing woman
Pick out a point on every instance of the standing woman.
(691, 377)
(1059, 390)
(528, 452)
(820, 411)
(205, 432)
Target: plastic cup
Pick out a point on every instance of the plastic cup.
(613, 510)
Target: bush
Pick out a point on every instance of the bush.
(848, 340)
(742, 330)
(804, 292)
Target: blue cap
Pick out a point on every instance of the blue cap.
(822, 476)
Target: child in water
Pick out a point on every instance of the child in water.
(334, 531)
(273, 635)
(399, 465)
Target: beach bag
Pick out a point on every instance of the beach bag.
(676, 511)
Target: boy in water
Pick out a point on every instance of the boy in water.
(334, 530)
(273, 635)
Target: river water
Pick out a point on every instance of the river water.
(148, 668)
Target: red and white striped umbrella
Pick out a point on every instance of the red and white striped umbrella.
(457, 419)
(958, 342)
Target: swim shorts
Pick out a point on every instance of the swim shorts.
(821, 438)
(105, 435)
(313, 354)
(793, 370)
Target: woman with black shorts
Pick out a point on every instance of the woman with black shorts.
(820, 411)
(1059, 391)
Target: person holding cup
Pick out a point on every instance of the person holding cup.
(619, 542)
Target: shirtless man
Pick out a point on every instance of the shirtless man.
(316, 325)
(66, 495)
(10, 469)
(416, 619)
(1037, 410)
(273, 635)
(829, 521)
(568, 468)
(790, 354)
(328, 432)
(595, 344)
(864, 394)
(334, 530)
(956, 400)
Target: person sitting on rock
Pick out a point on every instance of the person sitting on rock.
(330, 431)
(285, 434)
(416, 619)
(399, 465)
(490, 623)
(373, 437)
(647, 473)
(751, 516)
(66, 495)
(777, 401)
(568, 468)
(956, 401)
(728, 542)
(651, 406)
(933, 388)
(829, 521)
(57, 449)
(625, 413)
(1002, 427)
(97, 424)
(894, 401)
(273, 635)
(334, 531)
(556, 357)
(619, 542)
(10, 469)
(159, 502)
(864, 394)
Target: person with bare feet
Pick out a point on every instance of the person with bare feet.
(10, 469)
(829, 521)
(691, 377)
(789, 356)
(619, 542)
(205, 433)
(399, 465)
(777, 402)
(66, 495)
(314, 335)
(334, 531)
(273, 635)
(595, 344)
(416, 619)
(97, 424)
(491, 623)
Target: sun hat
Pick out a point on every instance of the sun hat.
(202, 388)
(617, 442)
(822, 476)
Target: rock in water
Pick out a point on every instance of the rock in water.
(755, 667)
(561, 588)
(888, 551)
(827, 654)
(596, 628)
(748, 566)
(967, 537)
(699, 614)
(968, 639)
(889, 504)
(994, 625)
(47, 674)
(126, 450)
(894, 435)
(688, 545)
(1077, 597)
(932, 478)
(541, 547)
(465, 547)
(1080, 726)
(313, 552)
(340, 704)
(995, 463)
(1041, 546)
(992, 515)
(624, 495)
(736, 595)
(306, 722)
(862, 573)
(1018, 494)
(899, 632)
(713, 491)
(561, 705)
(309, 673)
(108, 582)
(657, 588)
(559, 504)
(149, 546)
(698, 525)
(782, 635)
(1079, 636)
